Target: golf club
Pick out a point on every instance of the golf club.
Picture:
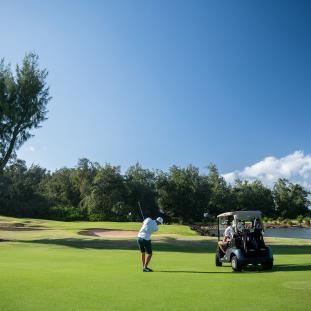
(141, 211)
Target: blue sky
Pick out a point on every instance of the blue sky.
(167, 82)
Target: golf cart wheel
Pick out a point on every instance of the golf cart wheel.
(217, 260)
(235, 264)
(267, 265)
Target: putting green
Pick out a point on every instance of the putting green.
(47, 265)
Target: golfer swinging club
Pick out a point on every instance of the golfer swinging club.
(144, 240)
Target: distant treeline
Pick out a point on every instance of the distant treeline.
(94, 192)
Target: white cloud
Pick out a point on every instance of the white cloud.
(30, 148)
(295, 167)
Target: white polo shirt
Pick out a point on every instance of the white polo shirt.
(149, 226)
(229, 232)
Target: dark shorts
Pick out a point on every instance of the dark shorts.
(144, 245)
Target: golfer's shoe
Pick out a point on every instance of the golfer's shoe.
(147, 270)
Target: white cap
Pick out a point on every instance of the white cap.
(160, 220)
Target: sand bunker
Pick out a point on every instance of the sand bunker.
(115, 233)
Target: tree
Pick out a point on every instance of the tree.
(23, 101)
(221, 199)
(20, 191)
(59, 188)
(291, 199)
(253, 196)
(83, 176)
(300, 219)
(140, 184)
(183, 194)
(107, 198)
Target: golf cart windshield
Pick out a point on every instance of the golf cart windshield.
(241, 215)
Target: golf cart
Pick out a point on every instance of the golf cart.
(246, 246)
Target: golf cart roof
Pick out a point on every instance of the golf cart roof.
(242, 215)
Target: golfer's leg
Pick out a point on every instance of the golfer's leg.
(142, 250)
(147, 260)
(220, 244)
(143, 259)
(148, 248)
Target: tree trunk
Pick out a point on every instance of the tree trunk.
(8, 154)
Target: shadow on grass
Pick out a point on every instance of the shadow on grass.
(195, 272)
(291, 267)
(167, 244)
(291, 249)
(248, 269)
(277, 268)
(19, 227)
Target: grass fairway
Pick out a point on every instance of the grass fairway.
(47, 265)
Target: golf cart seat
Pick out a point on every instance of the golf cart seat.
(249, 244)
(236, 241)
(253, 243)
